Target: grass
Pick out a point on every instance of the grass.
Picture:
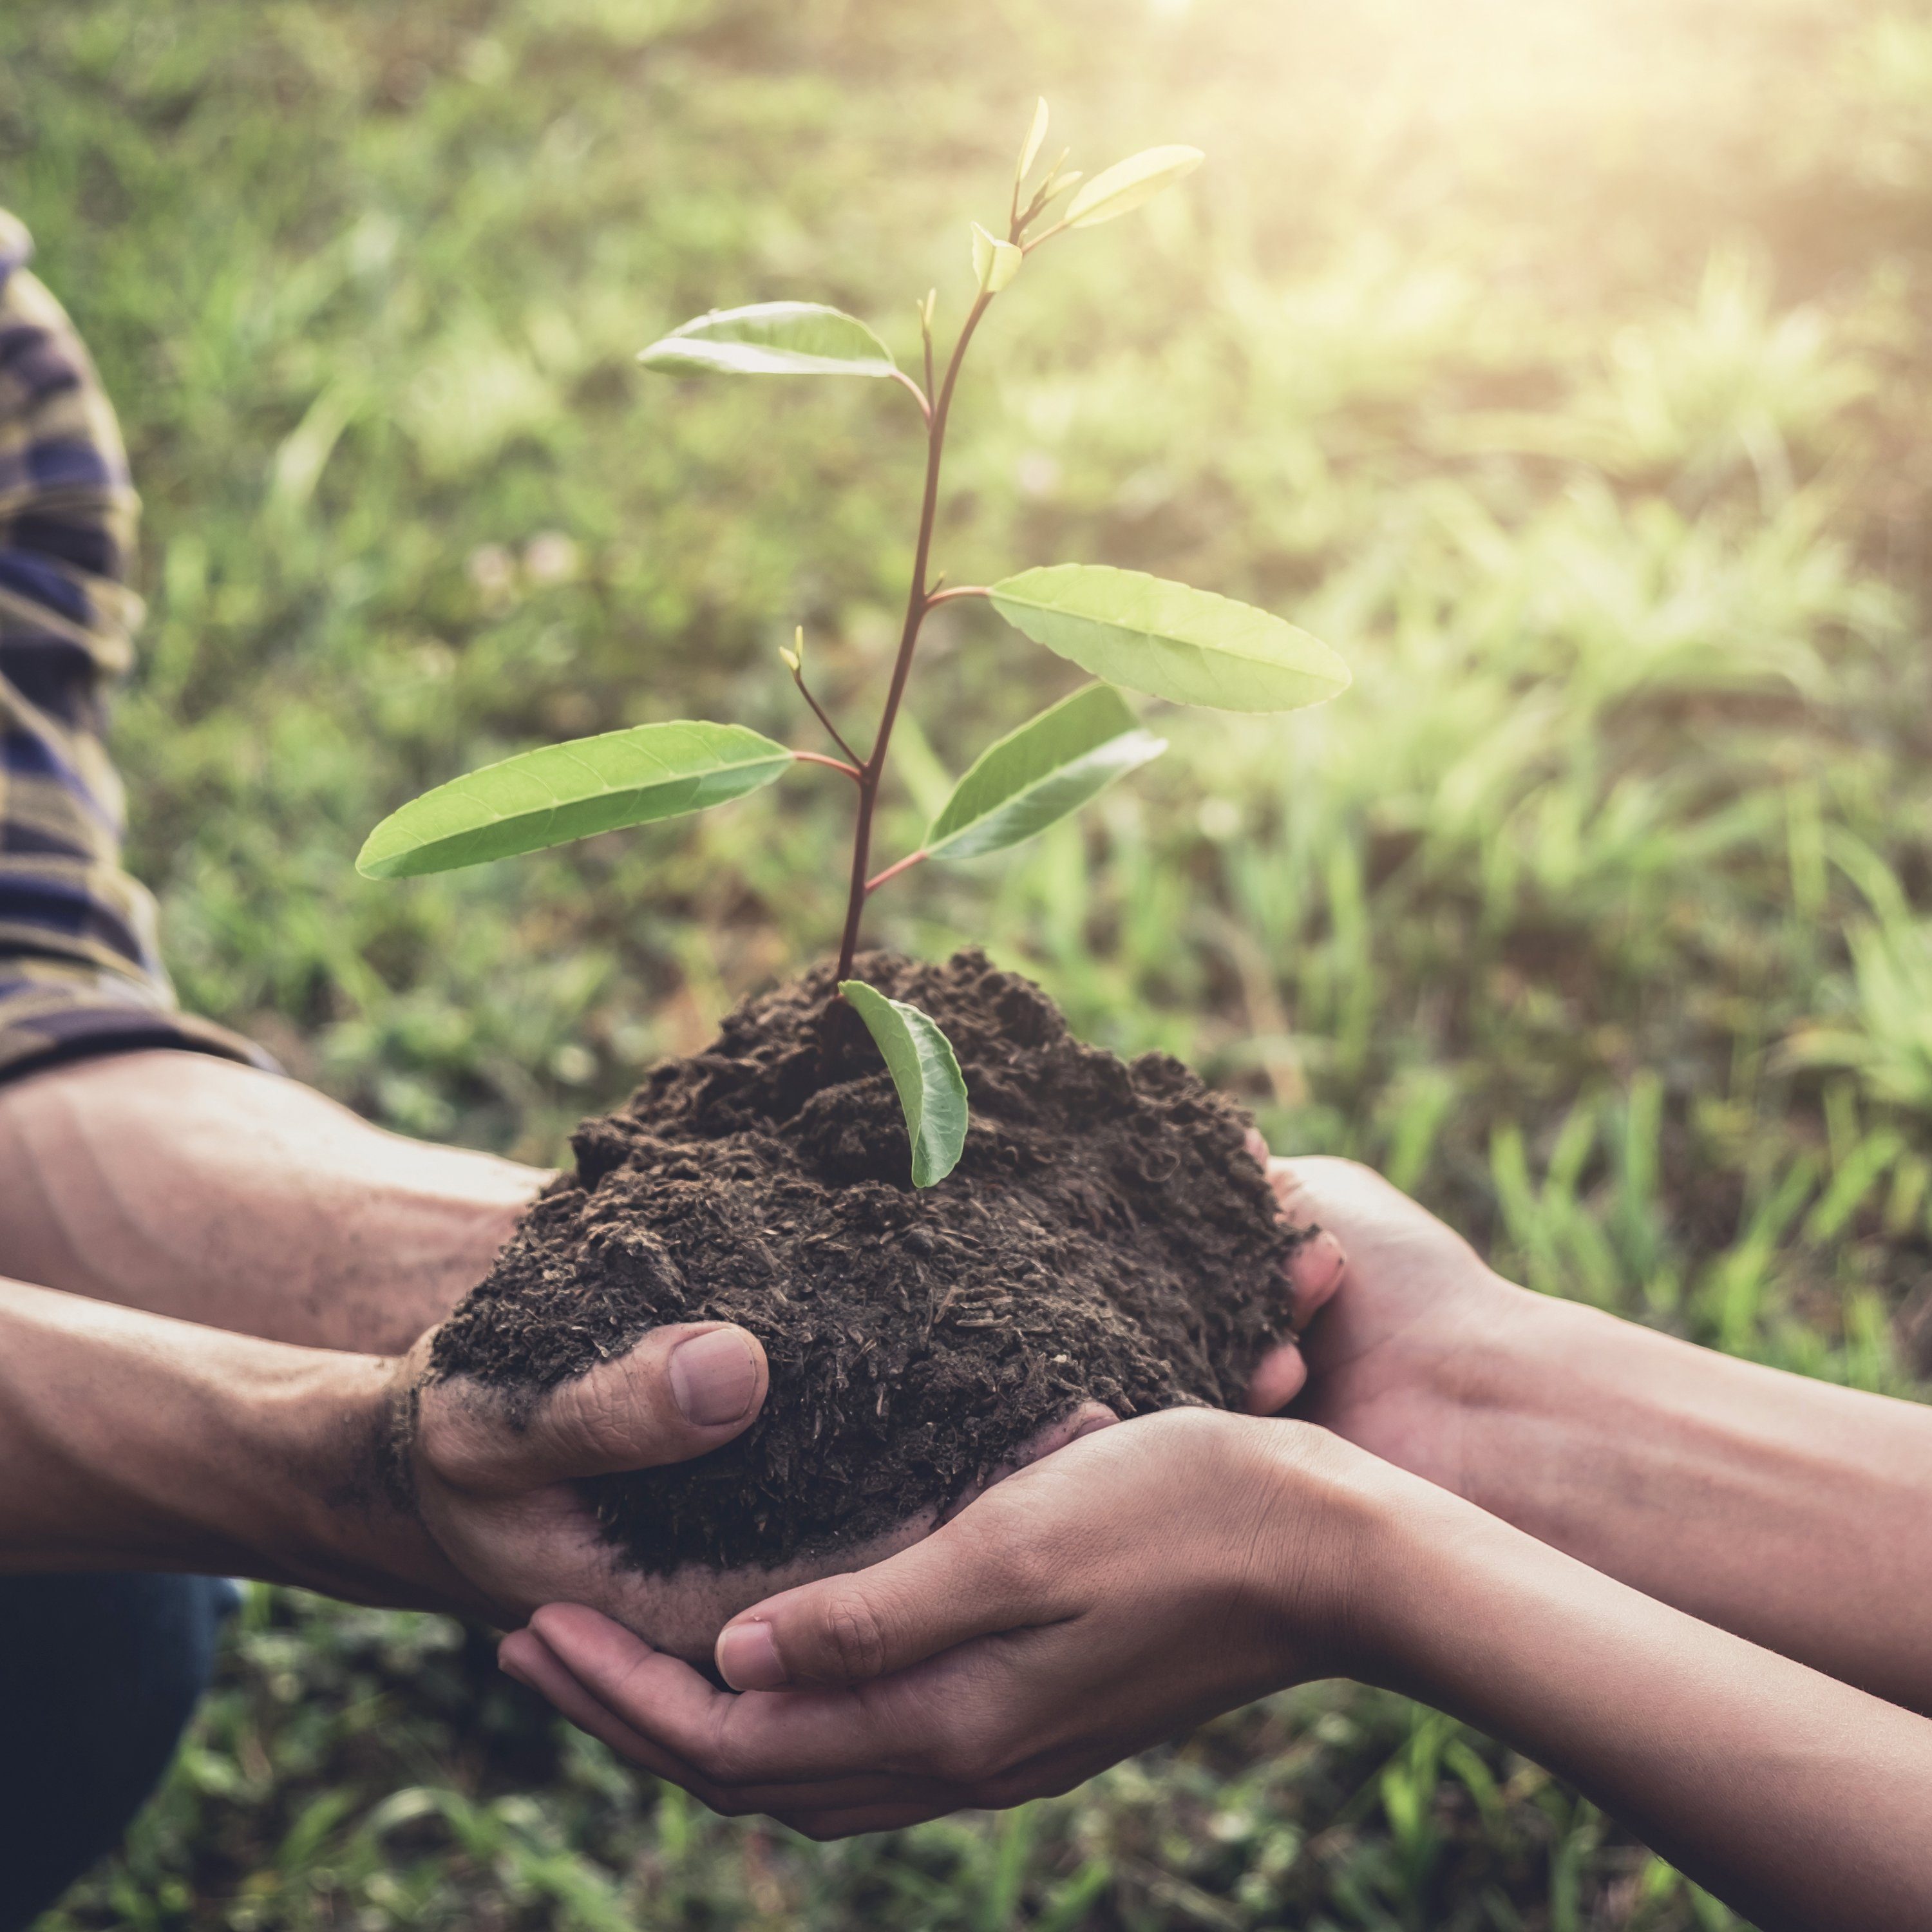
(1560, 364)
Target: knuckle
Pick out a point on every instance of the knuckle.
(586, 1418)
(451, 1435)
(854, 1636)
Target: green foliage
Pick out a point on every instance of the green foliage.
(1175, 642)
(1052, 765)
(561, 792)
(1168, 640)
(995, 263)
(1124, 187)
(777, 338)
(1565, 370)
(926, 1075)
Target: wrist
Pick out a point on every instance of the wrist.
(1415, 1541)
(345, 1519)
(1336, 1513)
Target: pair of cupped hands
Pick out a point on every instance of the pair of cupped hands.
(1127, 1582)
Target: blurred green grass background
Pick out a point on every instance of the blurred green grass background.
(1563, 364)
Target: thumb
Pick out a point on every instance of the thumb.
(682, 1391)
(968, 1579)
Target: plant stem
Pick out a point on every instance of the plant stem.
(892, 871)
(918, 394)
(851, 771)
(917, 604)
(938, 597)
(818, 712)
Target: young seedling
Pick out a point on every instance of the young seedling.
(1126, 628)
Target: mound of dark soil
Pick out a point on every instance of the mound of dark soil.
(1105, 1234)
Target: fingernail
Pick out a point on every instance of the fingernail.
(714, 1377)
(748, 1658)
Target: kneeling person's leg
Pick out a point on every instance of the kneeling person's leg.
(98, 1675)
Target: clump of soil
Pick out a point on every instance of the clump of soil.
(1105, 1234)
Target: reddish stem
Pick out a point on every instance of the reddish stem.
(893, 871)
(958, 590)
(918, 394)
(830, 764)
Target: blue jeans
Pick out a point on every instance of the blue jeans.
(98, 1676)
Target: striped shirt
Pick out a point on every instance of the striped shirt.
(80, 970)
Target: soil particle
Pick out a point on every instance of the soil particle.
(1105, 1235)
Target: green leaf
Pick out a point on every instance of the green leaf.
(1169, 640)
(994, 262)
(561, 792)
(926, 1073)
(1029, 150)
(780, 338)
(1127, 184)
(1052, 765)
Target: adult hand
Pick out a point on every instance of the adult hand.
(1023, 1646)
(135, 1441)
(683, 1614)
(495, 1490)
(1411, 1322)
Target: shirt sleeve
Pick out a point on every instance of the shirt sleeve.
(80, 969)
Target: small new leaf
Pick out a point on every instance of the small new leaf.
(925, 1074)
(558, 793)
(1127, 184)
(781, 338)
(1052, 765)
(1030, 149)
(994, 262)
(1170, 640)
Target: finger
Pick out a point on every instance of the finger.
(524, 1656)
(1278, 1378)
(681, 1391)
(970, 1578)
(724, 1738)
(1315, 1269)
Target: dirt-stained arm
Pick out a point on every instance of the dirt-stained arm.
(131, 1441)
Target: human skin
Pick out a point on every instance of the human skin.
(132, 1441)
(1795, 1513)
(191, 1185)
(188, 1186)
(1032, 1640)
(1791, 1512)
(298, 1258)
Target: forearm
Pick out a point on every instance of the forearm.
(1791, 1512)
(1803, 1802)
(131, 1441)
(190, 1186)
